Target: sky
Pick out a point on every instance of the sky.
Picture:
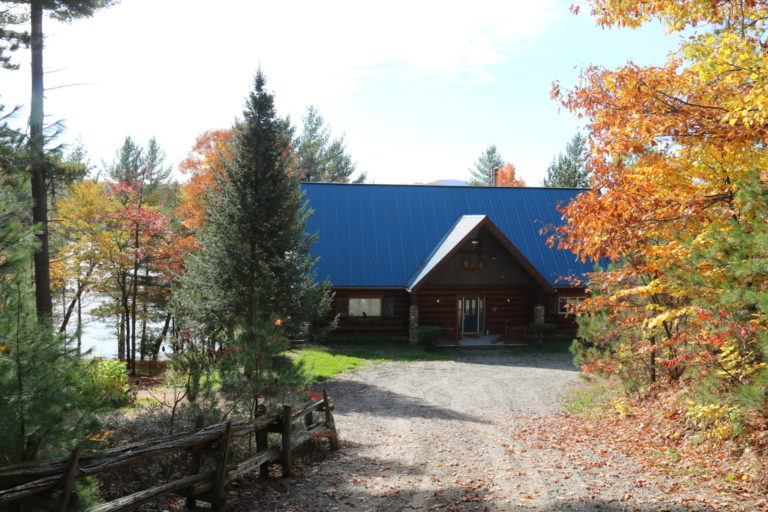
(419, 88)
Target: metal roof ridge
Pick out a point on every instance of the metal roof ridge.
(424, 268)
(424, 185)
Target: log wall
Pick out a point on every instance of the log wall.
(394, 323)
(513, 306)
(504, 305)
(562, 322)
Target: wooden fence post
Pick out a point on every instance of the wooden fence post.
(219, 498)
(68, 481)
(197, 459)
(286, 441)
(330, 424)
(262, 443)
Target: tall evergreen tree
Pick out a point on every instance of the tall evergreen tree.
(254, 251)
(12, 12)
(45, 401)
(482, 174)
(320, 158)
(569, 169)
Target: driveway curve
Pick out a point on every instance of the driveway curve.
(464, 435)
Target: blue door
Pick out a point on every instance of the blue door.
(471, 314)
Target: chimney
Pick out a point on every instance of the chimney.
(495, 177)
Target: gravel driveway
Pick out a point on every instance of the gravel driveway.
(465, 435)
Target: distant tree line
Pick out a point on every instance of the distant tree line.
(567, 170)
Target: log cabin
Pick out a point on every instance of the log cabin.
(473, 261)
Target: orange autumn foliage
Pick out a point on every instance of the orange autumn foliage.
(677, 163)
(506, 177)
(204, 163)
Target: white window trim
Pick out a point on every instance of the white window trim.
(364, 306)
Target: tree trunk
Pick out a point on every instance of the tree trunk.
(144, 349)
(127, 331)
(75, 302)
(43, 301)
(79, 318)
(121, 338)
(126, 314)
(134, 294)
(161, 338)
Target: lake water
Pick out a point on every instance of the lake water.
(98, 335)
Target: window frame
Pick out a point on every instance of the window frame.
(567, 300)
(350, 298)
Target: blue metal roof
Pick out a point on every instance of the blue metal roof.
(463, 228)
(379, 235)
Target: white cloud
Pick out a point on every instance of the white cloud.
(174, 68)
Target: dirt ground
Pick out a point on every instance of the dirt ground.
(465, 435)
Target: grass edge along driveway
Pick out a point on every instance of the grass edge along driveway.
(325, 361)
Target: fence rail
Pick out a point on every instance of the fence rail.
(49, 484)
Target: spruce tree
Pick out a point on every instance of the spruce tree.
(569, 169)
(254, 260)
(321, 159)
(489, 161)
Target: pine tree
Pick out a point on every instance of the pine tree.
(134, 164)
(321, 159)
(569, 170)
(38, 162)
(45, 400)
(489, 161)
(254, 259)
(736, 297)
(11, 39)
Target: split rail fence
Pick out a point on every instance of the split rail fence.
(49, 485)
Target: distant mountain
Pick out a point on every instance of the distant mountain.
(449, 183)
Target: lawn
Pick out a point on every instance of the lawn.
(339, 355)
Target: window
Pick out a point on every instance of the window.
(388, 307)
(565, 303)
(364, 306)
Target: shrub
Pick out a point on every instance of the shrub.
(87, 493)
(428, 335)
(46, 401)
(542, 331)
(109, 382)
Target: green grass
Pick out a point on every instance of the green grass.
(320, 364)
(341, 354)
(590, 401)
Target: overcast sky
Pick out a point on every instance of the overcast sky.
(419, 88)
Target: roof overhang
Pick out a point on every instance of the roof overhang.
(466, 227)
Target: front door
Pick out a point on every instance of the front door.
(471, 314)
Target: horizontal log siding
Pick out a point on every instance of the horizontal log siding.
(562, 322)
(518, 311)
(397, 324)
